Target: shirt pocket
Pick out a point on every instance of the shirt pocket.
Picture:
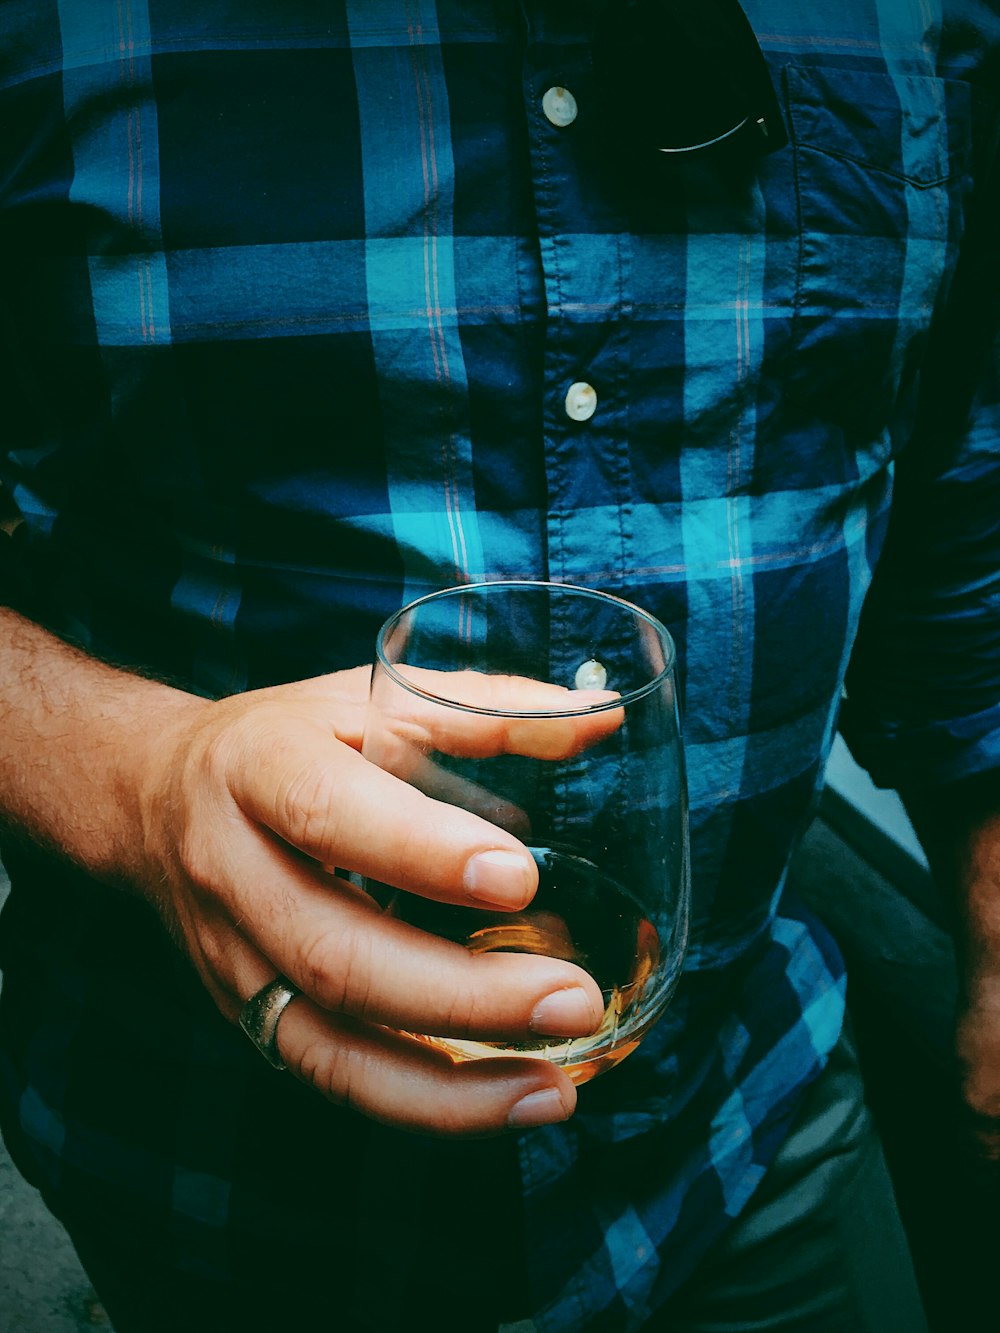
(881, 172)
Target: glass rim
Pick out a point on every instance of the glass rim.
(528, 585)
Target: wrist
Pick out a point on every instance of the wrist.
(147, 736)
(75, 739)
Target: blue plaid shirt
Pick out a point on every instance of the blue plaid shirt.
(292, 298)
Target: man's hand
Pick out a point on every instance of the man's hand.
(978, 1032)
(228, 815)
(978, 1049)
(961, 834)
(244, 803)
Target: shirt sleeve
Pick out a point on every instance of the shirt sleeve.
(922, 705)
(13, 578)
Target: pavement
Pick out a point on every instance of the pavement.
(43, 1289)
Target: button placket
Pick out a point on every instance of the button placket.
(579, 239)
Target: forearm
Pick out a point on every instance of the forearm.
(960, 828)
(74, 735)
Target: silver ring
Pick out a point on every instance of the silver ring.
(261, 1014)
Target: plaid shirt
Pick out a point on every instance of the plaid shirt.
(293, 295)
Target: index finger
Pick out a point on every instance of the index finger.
(322, 797)
(469, 714)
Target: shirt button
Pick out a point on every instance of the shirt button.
(590, 675)
(559, 105)
(581, 402)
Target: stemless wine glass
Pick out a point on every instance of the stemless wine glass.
(551, 711)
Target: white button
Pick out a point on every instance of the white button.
(559, 105)
(581, 402)
(590, 675)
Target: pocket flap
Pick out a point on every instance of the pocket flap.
(895, 124)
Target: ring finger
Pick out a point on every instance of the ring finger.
(406, 1083)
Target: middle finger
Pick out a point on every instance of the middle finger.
(339, 948)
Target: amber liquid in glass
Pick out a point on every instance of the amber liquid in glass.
(582, 915)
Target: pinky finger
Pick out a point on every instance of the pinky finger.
(408, 1084)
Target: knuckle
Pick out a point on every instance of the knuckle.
(336, 1069)
(317, 1066)
(319, 970)
(217, 751)
(196, 860)
(211, 955)
(214, 953)
(349, 1077)
(463, 1017)
(337, 970)
(308, 809)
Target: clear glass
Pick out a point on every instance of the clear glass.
(590, 776)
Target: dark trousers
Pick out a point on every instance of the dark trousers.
(819, 1249)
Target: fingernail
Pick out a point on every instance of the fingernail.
(545, 1107)
(504, 878)
(564, 1013)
